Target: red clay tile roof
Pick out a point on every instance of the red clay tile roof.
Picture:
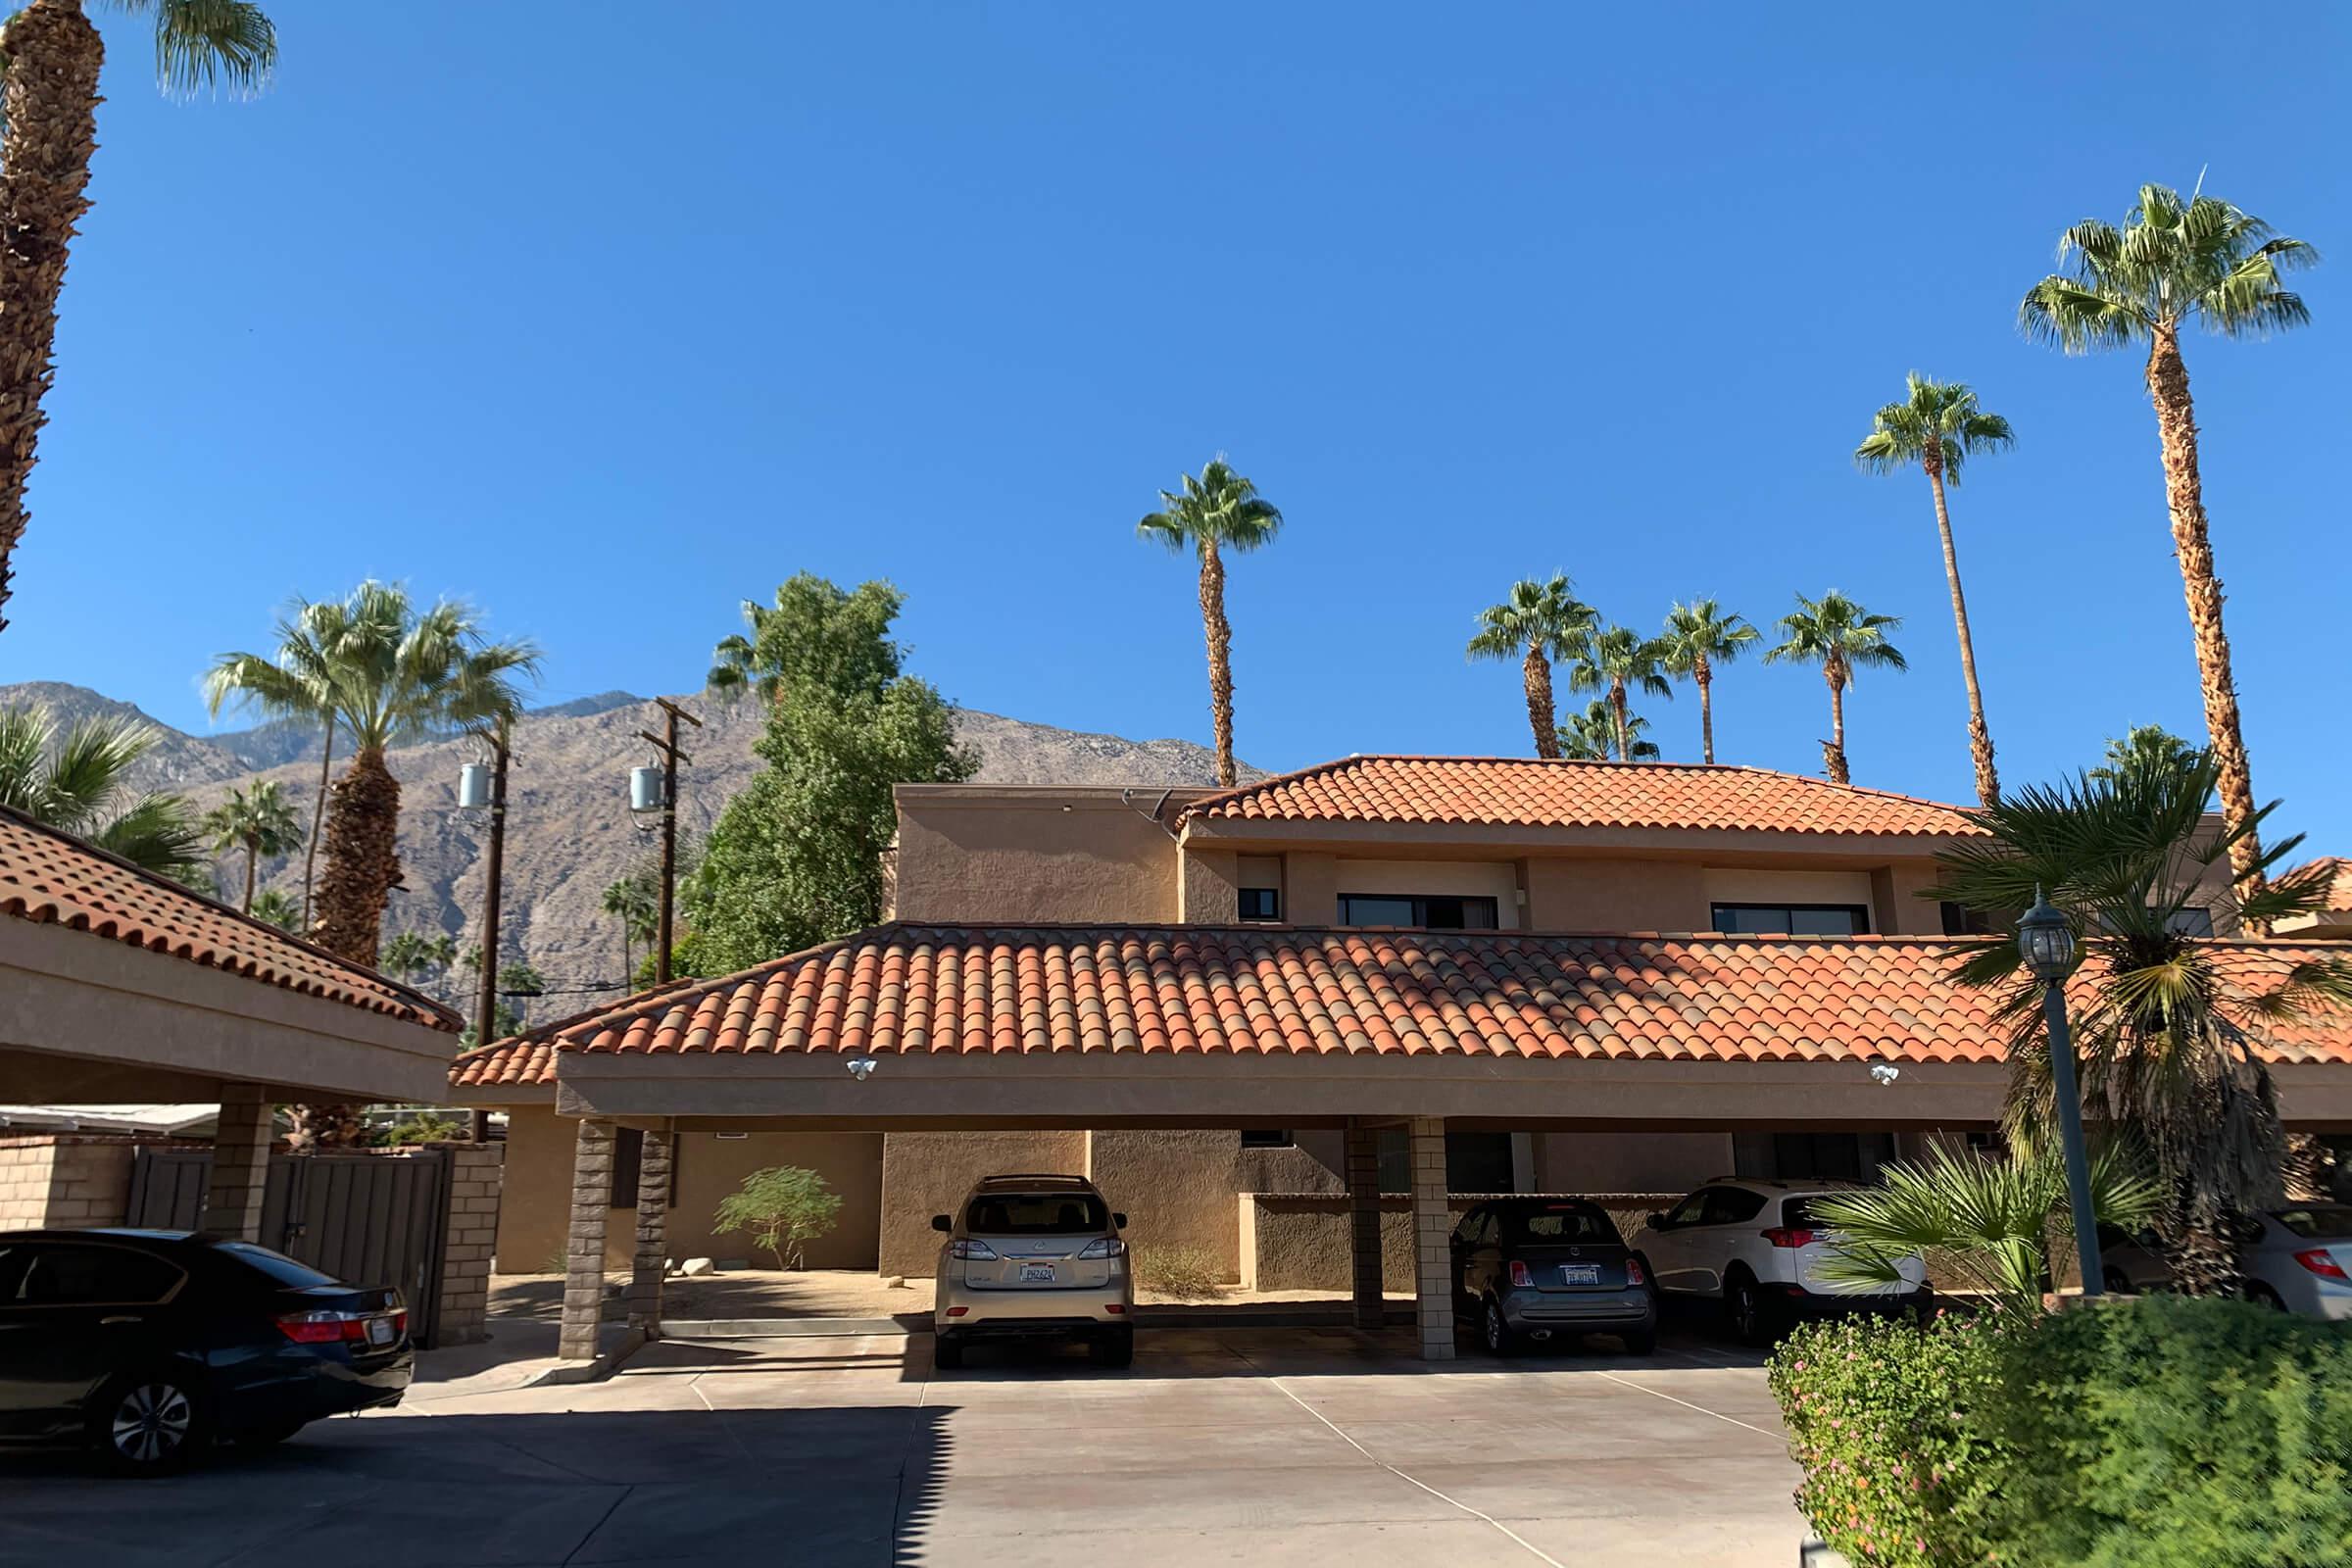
(2339, 872)
(1270, 990)
(53, 878)
(1531, 792)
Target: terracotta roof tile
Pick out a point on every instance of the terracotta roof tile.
(1531, 792)
(1272, 990)
(54, 878)
(2338, 872)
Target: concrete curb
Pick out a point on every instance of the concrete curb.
(797, 1328)
(607, 1363)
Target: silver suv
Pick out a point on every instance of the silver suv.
(1034, 1257)
(1755, 1246)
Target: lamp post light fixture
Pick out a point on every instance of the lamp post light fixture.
(2047, 944)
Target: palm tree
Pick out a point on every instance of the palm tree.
(295, 684)
(74, 783)
(415, 958)
(273, 907)
(1589, 736)
(634, 903)
(2173, 263)
(2166, 1030)
(2144, 747)
(1613, 658)
(48, 130)
(736, 663)
(1218, 512)
(260, 821)
(1698, 639)
(1842, 637)
(1539, 622)
(1937, 427)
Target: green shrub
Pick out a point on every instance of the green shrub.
(780, 1208)
(1186, 1273)
(2172, 1431)
(1884, 1416)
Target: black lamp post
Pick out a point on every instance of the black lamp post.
(2047, 944)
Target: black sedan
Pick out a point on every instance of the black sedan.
(149, 1345)
(1536, 1269)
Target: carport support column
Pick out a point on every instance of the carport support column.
(653, 1232)
(1363, 1226)
(584, 1241)
(232, 1203)
(1432, 1229)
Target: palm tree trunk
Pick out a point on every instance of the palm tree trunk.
(1220, 656)
(2192, 545)
(50, 107)
(1535, 672)
(1835, 753)
(362, 862)
(1980, 737)
(253, 854)
(1625, 751)
(1704, 673)
(309, 861)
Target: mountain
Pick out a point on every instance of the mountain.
(569, 833)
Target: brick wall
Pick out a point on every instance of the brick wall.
(60, 1180)
(472, 1241)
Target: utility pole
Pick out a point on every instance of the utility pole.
(666, 743)
(485, 1010)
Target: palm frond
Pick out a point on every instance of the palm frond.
(212, 45)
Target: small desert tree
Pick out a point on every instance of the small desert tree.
(780, 1208)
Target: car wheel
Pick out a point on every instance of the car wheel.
(148, 1423)
(1115, 1348)
(2262, 1295)
(947, 1353)
(1641, 1342)
(1750, 1317)
(1493, 1331)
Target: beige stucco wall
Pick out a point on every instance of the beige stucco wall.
(1211, 894)
(1629, 1162)
(1025, 855)
(1177, 1187)
(929, 1173)
(1600, 894)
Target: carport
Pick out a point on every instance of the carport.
(906, 1028)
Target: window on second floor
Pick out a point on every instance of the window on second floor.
(1261, 903)
(1434, 912)
(1792, 919)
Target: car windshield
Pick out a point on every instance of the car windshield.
(1557, 1222)
(1035, 1213)
(277, 1266)
(2317, 1220)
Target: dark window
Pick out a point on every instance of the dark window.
(1267, 1138)
(2194, 922)
(1824, 1156)
(92, 1276)
(2315, 1222)
(1558, 1222)
(1475, 1162)
(1688, 1212)
(1437, 912)
(1036, 1214)
(1792, 919)
(1962, 921)
(1732, 1205)
(1261, 903)
(628, 1154)
(281, 1268)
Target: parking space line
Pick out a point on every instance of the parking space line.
(1688, 1405)
(1453, 1502)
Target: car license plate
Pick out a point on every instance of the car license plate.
(1037, 1273)
(1580, 1273)
(379, 1331)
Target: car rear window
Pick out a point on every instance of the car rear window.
(2317, 1220)
(1797, 1213)
(1558, 1222)
(277, 1266)
(1035, 1213)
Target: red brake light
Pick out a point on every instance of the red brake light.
(1519, 1277)
(1792, 1236)
(2321, 1263)
(323, 1327)
(1633, 1273)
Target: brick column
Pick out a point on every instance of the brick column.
(463, 1317)
(652, 1230)
(584, 1244)
(232, 1203)
(1433, 1229)
(1363, 1225)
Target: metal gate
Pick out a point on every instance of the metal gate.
(369, 1219)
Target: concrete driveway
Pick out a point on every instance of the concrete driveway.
(1270, 1446)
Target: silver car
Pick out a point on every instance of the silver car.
(2301, 1261)
(1037, 1258)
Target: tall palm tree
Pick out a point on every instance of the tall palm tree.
(1842, 637)
(415, 958)
(2175, 261)
(1937, 427)
(48, 130)
(295, 684)
(74, 783)
(274, 906)
(1538, 624)
(1698, 639)
(260, 821)
(1221, 511)
(1612, 660)
(634, 903)
(2139, 748)
(1589, 736)
(2167, 1031)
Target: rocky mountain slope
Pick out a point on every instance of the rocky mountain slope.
(569, 833)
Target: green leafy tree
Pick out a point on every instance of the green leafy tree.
(1611, 659)
(49, 100)
(2167, 1031)
(274, 906)
(1218, 512)
(1539, 622)
(780, 1208)
(260, 821)
(1842, 637)
(2173, 262)
(2144, 749)
(797, 857)
(76, 783)
(1936, 428)
(1698, 639)
(1592, 735)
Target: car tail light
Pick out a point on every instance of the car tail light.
(332, 1328)
(1114, 1309)
(1792, 1236)
(1102, 1246)
(958, 1311)
(1520, 1276)
(970, 1250)
(2320, 1262)
(1633, 1273)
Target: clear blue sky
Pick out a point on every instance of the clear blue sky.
(606, 316)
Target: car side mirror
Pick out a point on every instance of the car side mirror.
(941, 1222)
(1656, 1222)
(1118, 1221)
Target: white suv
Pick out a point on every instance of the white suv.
(1755, 1246)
